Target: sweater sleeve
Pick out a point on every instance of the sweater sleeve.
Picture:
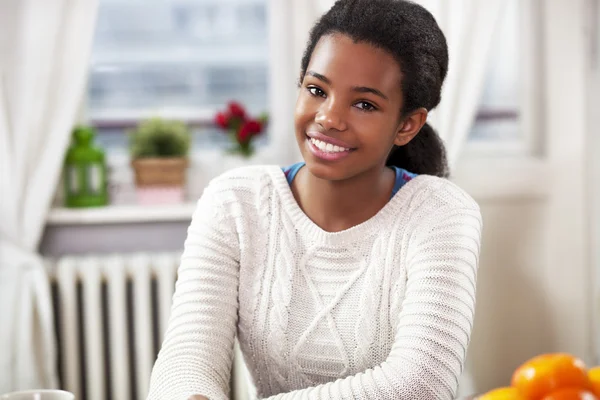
(434, 325)
(197, 352)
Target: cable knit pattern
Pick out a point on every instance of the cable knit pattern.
(382, 310)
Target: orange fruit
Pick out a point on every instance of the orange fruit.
(571, 394)
(594, 377)
(504, 393)
(547, 373)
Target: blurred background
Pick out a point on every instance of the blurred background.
(115, 114)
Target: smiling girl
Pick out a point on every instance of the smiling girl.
(352, 274)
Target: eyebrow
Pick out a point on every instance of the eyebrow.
(359, 89)
(319, 77)
(364, 89)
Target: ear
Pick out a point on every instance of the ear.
(410, 126)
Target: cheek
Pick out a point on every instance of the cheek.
(377, 131)
(371, 127)
(305, 108)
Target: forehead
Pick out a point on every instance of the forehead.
(344, 61)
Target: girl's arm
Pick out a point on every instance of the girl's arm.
(197, 352)
(435, 323)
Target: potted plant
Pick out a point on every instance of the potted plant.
(159, 156)
(241, 128)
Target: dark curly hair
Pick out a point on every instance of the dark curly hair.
(412, 36)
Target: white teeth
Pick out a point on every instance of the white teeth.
(327, 147)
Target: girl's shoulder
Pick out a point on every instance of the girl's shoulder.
(249, 172)
(245, 181)
(435, 193)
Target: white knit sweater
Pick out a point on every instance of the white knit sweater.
(382, 310)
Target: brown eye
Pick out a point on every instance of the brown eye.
(365, 106)
(315, 91)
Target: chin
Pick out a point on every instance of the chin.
(325, 171)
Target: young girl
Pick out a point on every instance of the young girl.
(351, 275)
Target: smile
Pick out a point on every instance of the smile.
(327, 151)
(327, 147)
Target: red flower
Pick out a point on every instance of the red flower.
(236, 110)
(222, 120)
(254, 126)
(244, 134)
(249, 129)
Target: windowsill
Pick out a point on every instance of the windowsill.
(121, 214)
(510, 177)
(126, 119)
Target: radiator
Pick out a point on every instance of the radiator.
(111, 312)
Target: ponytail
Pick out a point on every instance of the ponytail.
(425, 154)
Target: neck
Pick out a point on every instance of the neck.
(340, 205)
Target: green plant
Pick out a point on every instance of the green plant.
(159, 138)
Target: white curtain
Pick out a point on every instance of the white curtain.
(44, 53)
(290, 23)
(469, 27)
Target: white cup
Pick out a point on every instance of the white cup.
(42, 394)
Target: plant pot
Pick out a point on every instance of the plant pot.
(160, 180)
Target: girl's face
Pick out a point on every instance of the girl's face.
(347, 116)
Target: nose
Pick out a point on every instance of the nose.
(331, 115)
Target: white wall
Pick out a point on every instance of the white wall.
(593, 165)
(535, 289)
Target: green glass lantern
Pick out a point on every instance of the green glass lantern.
(85, 171)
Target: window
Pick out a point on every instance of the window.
(498, 114)
(175, 58)
(186, 58)
(506, 117)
